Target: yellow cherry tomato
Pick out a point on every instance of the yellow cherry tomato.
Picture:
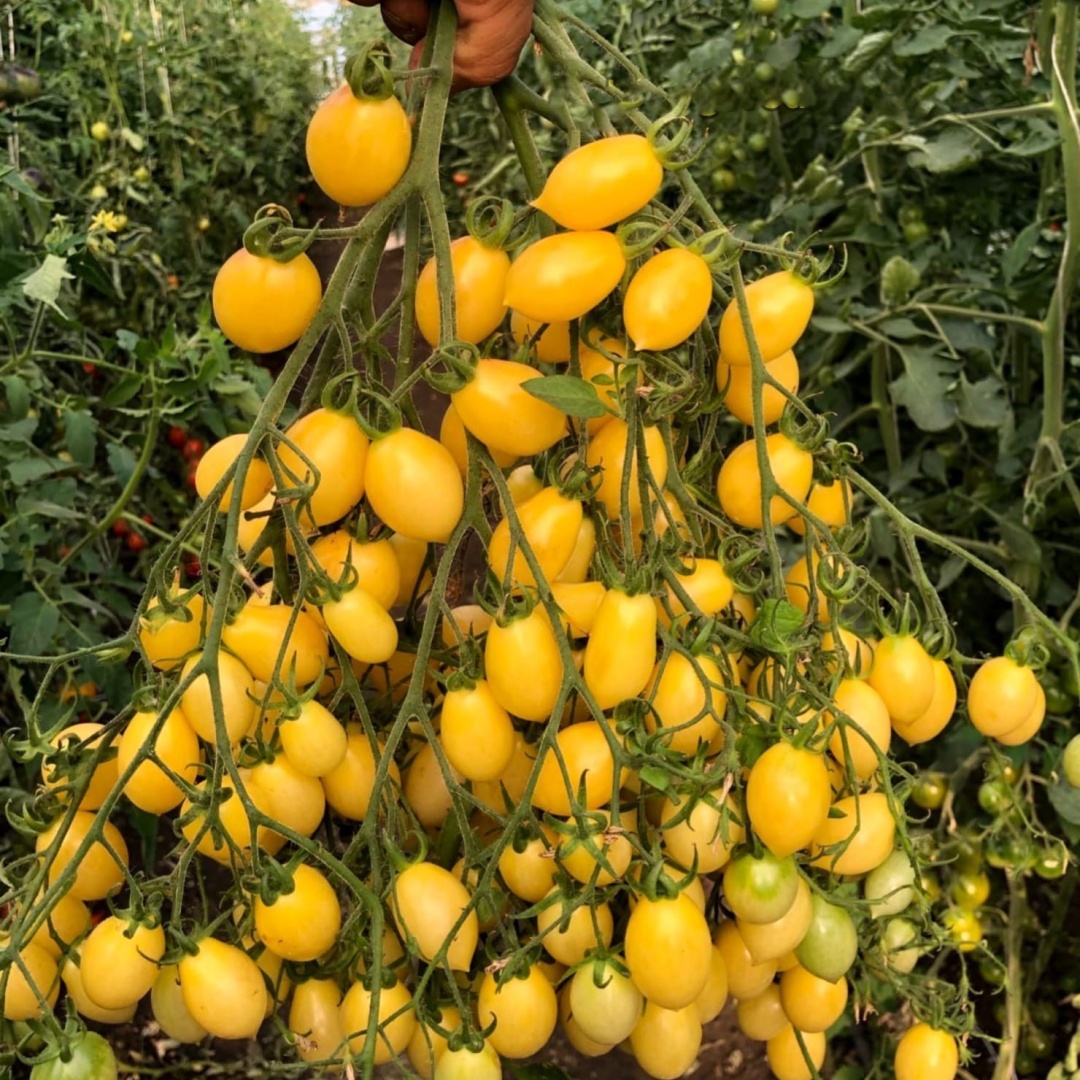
(168, 639)
(428, 1044)
(857, 701)
(603, 854)
(709, 588)
(665, 1042)
(812, 1004)
(550, 342)
(771, 941)
(668, 950)
(315, 1014)
(762, 1016)
(218, 459)
(86, 741)
(149, 787)
(785, 1056)
(667, 299)
(940, 711)
(605, 1003)
(903, 674)
(479, 275)
(350, 786)
(587, 757)
(687, 697)
(476, 732)
(33, 978)
(464, 1063)
(605, 376)
(237, 698)
(608, 450)
(67, 920)
(358, 147)
(314, 740)
(1001, 696)
(780, 309)
(829, 502)
(251, 526)
(529, 873)
(274, 641)
(119, 962)
(303, 923)
(524, 1010)
(736, 387)
(71, 974)
(585, 929)
(452, 436)
(411, 556)
(549, 523)
(100, 870)
(865, 825)
(414, 485)
(170, 1012)
(797, 583)
(263, 305)
(738, 484)
(925, 1053)
(601, 183)
(336, 446)
(294, 799)
(503, 415)
(621, 651)
(223, 990)
(704, 834)
(426, 790)
(523, 484)
(526, 644)
(857, 652)
(232, 821)
(564, 276)
(362, 626)
(579, 602)
(714, 996)
(374, 562)
(574, 1035)
(788, 797)
(426, 903)
(579, 564)
(1030, 727)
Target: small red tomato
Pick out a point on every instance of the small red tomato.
(192, 470)
(461, 178)
(193, 448)
(90, 368)
(174, 281)
(192, 566)
(64, 550)
(177, 437)
(148, 519)
(135, 542)
(120, 527)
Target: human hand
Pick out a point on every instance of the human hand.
(490, 35)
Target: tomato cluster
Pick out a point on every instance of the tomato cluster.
(645, 769)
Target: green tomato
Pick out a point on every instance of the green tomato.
(831, 943)
(141, 174)
(764, 72)
(890, 886)
(970, 891)
(995, 797)
(99, 131)
(1052, 861)
(761, 890)
(930, 790)
(724, 180)
(91, 1059)
(1038, 1043)
(1059, 702)
(1008, 851)
(1070, 762)
(764, 7)
(1044, 1014)
(758, 143)
(791, 98)
(916, 231)
(897, 951)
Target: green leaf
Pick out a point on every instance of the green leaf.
(783, 53)
(656, 777)
(924, 387)
(18, 396)
(1014, 260)
(901, 328)
(1040, 137)
(568, 394)
(776, 623)
(1021, 543)
(24, 471)
(844, 39)
(33, 622)
(122, 392)
(810, 9)
(121, 461)
(1065, 800)
(88, 269)
(927, 40)
(45, 283)
(80, 436)
(829, 325)
(127, 340)
(867, 51)
(954, 150)
(983, 404)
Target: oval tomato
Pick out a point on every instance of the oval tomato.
(411, 556)
(1031, 726)
(746, 979)
(149, 787)
(425, 788)
(713, 997)
(68, 919)
(392, 1035)
(577, 569)
(788, 798)
(350, 786)
(263, 305)
(564, 276)
(549, 342)
(523, 484)
(864, 824)
(100, 870)
(903, 674)
(605, 1003)
(736, 388)
(276, 642)
(33, 978)
(504, 416)
(607, 452)
(812, 1004)
(526, 644)
(218, 459)
(706, 584)
(91, 1058)
(574, 1035)
(524, 1010)
(358, 148)
(703, 834)
(668, 950)
(315, 1015)
(427, 901)
(549, 524)
(234, 825)
(602, 372)
(587, 758)
(452, 435)
(785, 1056)
(479, 287)
(762, 1017)
(413, 484)
(924, 1053)
(597, 850)
(313, 740)
(579, 602)
(738, 484)
(761, 888)
(476, 732)
(237, 699)
(428, 1044)
(897, 951)
(223, 990)
(335, 445)
(373, 562)
(780, 309)
(940, 711)
(862, 746)
(303, 923)
(830, 502)
(686, 696)
(84, 740)
(667, 299)
(71, 973)
(120, 962)
(529, 873)
(890, 886)
(1001, 696)
(361, 626)
(601, 183)
(170, 1012)
(293, 798)
(585, 929)
(773, 940)
(621, 651)
(167, 641)
(665, 1042)
(830, 944)
(468, 1064)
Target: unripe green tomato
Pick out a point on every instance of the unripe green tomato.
(992, 971)
(829, 188)
(1037, 1043)
(916, 231)
(764, 72)
(764, 7)
(1070, 762)
(758, 142)
(815, 174)
(791, 98)
(99, 192)
(969, 854)
(141, 174)
(1002, 769)
(126, 37)
(995, 797)
(724, 180)
(930, 790)
(722, 148)
(99, 130)
(1052, 861)
(1070, 682)
(1059, 702)
(1025, 1064)
(204, 224)
(1008, 850)
(1044, 1014)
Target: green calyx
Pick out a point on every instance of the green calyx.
(368, 73)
